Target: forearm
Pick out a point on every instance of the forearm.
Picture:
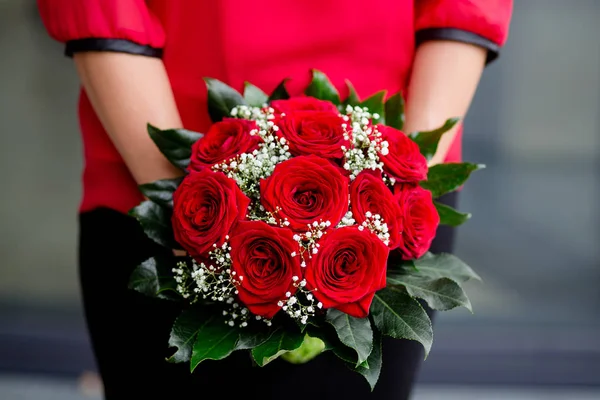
(443, 82)
(128, 92)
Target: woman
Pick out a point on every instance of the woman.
(144, 61)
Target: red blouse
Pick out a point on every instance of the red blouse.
(371, 43)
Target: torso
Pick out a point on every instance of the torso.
(369, 43)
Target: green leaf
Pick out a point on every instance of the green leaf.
(440, 293)
(174, 144)
(409, 264)
(332, 342)
(254, 96)
(352, 99)
(355, 333)
(183, 334)
(253, 336)
(322, 88)
(375, 104)
(281, 341)
(444, 265)
(374, 361)
(397, 314)
(156, 223)
(345, 354)
(215, 341)
(154, 278)
(448, 177)
(221, 99)
(428, 140)
(450, 216)
(370, 368)
(394, 111)
(161, 191)
(280, 92)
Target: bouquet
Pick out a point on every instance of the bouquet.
(307, 223)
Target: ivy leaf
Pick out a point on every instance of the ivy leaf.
(355, 333)
(440, 293)
(322, 88)
(215, 341)
(254, 96)
(450, 216)
(444, 265)
(374, 361)
(154, 278)
(161, 191)
(448, 177)
(428, 140)
(352, 99)
(174, 144)
(221, 99)
(156, 223)
(395, 313)
(280, 92)
(184, 333)
(280, 342)
(394, 111)
(375, 104)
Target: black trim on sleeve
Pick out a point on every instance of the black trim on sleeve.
(116, 45)
(459, 35)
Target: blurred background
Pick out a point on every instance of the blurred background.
(534, 236)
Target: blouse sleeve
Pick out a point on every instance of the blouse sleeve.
(126, 26)
(480, 22)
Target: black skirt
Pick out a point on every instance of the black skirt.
(129, 334)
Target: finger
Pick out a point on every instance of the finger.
(179, 253)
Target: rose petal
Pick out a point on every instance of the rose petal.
(255, 246)
(302, 103)
(404, 161)
(367, 257)
(206, 205)
(224, 140)
(359, 309)
(278, 193)
(421, 220)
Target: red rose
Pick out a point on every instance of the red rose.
(404, 161)
(368, 192)
(305, 189)
(205, 207)
(313, 132)
(420, 220)
(348, 269)
(261, 256)
(224, 140)
(303, 103)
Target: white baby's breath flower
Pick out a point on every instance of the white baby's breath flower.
(366, 144)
